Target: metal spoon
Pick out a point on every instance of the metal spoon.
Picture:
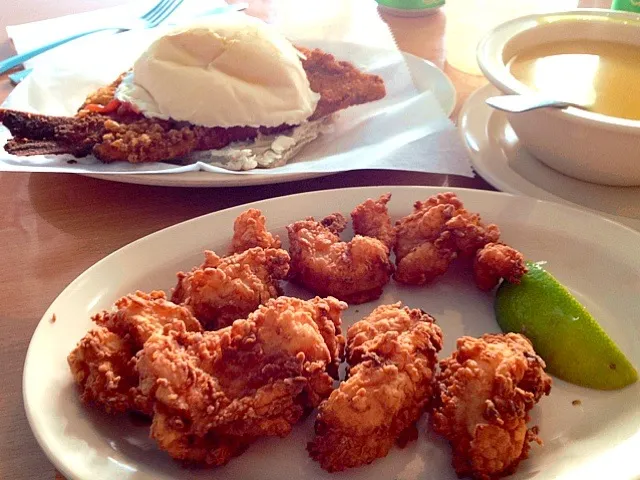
(525, 103)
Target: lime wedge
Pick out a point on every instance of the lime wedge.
(571, 342)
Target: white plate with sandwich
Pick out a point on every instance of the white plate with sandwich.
(226, 95)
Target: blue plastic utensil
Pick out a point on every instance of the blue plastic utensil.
(150, 19)
(17, 77)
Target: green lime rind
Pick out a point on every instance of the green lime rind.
(570, 341)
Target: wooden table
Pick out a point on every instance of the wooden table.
(54, 226)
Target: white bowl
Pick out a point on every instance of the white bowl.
(585, 145)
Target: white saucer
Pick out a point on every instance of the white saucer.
(498, 156)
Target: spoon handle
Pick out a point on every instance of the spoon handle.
(525, 103)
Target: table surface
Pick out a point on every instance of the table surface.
(54, 226)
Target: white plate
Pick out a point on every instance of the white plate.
(498, 156)
(597, 259)
(426, 76)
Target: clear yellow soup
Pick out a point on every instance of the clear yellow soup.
(603, 75)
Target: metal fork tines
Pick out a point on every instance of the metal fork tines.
(160, 12)
(154, 17)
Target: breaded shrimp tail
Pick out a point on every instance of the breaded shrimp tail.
(440, 230)
(371, 219)
(250, 231)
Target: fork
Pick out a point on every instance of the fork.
(150, 19)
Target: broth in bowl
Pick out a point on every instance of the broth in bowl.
(605, 76)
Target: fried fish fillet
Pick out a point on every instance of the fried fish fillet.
(392, 355)
(215, 393)
(103, 364)
(485, 391)
(224, 289)
(354, 271)
(113, 132)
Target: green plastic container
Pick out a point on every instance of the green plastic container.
(626, 5)
(410, 8)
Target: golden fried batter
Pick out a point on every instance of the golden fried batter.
(103, 95)
(371, 219)
(224, 289)
(250, 230)
(103, 363)
(340, 84)
(423, 247)
(438, 231)
(103, 366)
(114, 132)
(392, 358)
(354, 271)
(495, 261)
(214, 393)
(484, 393)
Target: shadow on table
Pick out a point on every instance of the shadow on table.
(83, 206)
